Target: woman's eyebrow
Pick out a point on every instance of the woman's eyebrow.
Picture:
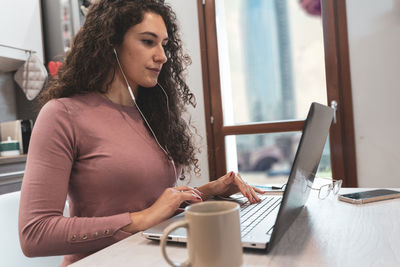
(153, 34)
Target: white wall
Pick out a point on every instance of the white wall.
(186, 11)
(374, 44)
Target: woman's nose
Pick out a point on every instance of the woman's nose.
(160, 56)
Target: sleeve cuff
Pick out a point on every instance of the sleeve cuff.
(121, 234)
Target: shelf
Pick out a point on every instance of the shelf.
(13, 159)
(11, 59)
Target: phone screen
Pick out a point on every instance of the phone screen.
(370, 194)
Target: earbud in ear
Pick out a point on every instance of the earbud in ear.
(115, 52)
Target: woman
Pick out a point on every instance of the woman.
(111, 137)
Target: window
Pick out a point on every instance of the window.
(264, 66)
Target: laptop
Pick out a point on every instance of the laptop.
(264, 223)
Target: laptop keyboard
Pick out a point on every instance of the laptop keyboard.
(252, 214)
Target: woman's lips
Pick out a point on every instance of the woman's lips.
(154, 70)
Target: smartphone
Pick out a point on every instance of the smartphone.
(369, 196)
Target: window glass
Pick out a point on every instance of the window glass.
(267, 158)
(271, 58)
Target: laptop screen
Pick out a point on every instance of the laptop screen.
(304, 168)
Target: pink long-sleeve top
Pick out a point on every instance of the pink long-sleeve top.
(99, 154)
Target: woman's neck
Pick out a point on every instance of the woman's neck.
(119, 93)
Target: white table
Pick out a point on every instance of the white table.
(326, 233)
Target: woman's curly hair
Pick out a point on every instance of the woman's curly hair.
(88, 64)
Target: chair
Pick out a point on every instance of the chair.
(10, 250)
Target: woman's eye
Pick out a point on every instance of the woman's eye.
(147, 42)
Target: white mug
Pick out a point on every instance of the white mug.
(213, 235)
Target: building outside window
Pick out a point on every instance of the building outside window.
(271, 59)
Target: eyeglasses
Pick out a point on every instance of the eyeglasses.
(324, 190)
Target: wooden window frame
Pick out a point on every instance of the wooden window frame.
(338, 82)
(343, 156)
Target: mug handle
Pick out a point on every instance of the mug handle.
(164, 239)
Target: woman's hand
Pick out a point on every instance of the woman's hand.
(171, 199)
(164, 207)
(229, 184)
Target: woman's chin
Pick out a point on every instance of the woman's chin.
(149, 84)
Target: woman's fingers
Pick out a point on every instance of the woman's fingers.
(182, 188)
(254, 194)
(189, 194)
(187, 188)
(198, 192)
(247, 190)
(258, 190)
(251, 195)
(228, 178)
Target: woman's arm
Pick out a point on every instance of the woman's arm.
(165, 206)
(42, 227)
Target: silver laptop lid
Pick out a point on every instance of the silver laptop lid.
(304, 168)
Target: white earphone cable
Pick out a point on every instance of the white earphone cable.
(144, 118)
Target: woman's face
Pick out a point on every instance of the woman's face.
(142, 51)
